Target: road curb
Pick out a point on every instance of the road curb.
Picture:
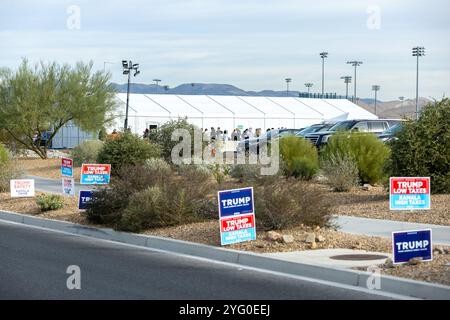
(405, 287)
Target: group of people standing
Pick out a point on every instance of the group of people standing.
(236, 135)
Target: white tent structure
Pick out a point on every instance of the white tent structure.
(228, 112)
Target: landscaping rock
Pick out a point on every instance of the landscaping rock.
(274, 236)
(313, 245)
(310, 238)
(288, 238)
(366, 187)
(415, 261)
(439, 250)
(389, 263)
(320, 238)
(447, 250)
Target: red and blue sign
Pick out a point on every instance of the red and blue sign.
(409, 193)
(84, 199)
(67, 167)
(237, 216)
(411, 244)
(95, 173)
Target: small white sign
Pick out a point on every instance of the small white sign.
(68, 186)
(22, 188)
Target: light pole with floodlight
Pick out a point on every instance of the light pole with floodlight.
(128, 66)
(417, 52)
(323, 55)
(354, 64)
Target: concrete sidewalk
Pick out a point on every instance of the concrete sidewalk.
(384, 228)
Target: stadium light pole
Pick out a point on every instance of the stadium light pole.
(354, 64)
(347, 80)
(288, 80)
(308, 85)
(157, 81)
(375, 88)
(128, 66)
(417, 52)
(323, 55)
(401, 98)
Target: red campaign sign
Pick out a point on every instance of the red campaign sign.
(95, 169)
(66, 162)
(237, 223)
(413, 185)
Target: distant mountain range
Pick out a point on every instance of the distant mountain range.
(385, 109)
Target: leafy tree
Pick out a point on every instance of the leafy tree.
(46, 97)
(422, 148)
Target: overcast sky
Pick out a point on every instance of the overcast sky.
(252, 44)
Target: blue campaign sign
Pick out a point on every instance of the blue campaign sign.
(235, 202)
(85, 197)
(411, 244)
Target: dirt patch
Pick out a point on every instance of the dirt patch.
(46, 168)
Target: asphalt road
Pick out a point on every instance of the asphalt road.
(33, 264)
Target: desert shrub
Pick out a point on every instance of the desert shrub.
(141, 198)
(341, 172)
(422, 148)
(245, 172)
(127, 150)
(369, 153)
(107, 204)
(8, 169)
(299, 157)
(86, 152)
(4, 155)
(158, 167)
(47, 202)
(287, 203)
(164, 205)
(163, 136)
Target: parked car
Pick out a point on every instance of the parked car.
(390, 133)
(315, 128)
(374, 126)
(254, 143)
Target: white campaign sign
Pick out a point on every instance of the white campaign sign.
(68, 185)
(21, 188)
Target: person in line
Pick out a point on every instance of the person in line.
(146, 134)
(213, 133)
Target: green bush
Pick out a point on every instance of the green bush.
(341, 172)
(86, 152)
(369, 153)
(281, 204)
(127, 150)
(8, 169)
(299, 157)
(422, 148)
(47, 202)
(163, 136)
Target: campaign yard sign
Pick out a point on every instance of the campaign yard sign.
(68, 187)
(411, 244)
(84, 198)
(236, 215)
(66, 167)
(22, 188)
(409, 193)
(95, 173)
